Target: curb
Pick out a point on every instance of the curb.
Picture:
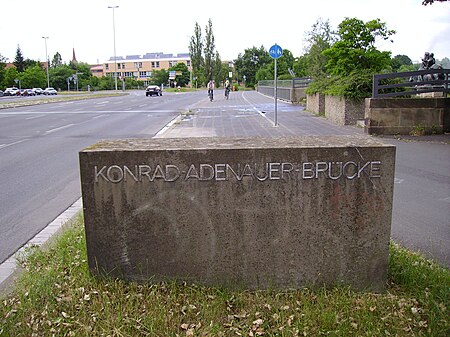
(10, 269)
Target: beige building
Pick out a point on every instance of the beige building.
(139, 67)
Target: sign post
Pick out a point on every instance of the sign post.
(275, 52)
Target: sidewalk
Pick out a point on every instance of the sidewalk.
(243, 115)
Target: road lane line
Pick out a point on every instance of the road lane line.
(34, 117)
(57, 129)
(2, 146)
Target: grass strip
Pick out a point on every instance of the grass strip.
(55, 99)
(56, 296)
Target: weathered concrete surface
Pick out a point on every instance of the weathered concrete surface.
(343, 111)
(249, 212)
(401, 115)
(316, 103)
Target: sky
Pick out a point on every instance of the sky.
(143, 26)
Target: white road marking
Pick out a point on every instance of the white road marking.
(34, 117)
(57, 129)
(2, 146)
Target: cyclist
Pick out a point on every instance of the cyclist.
(211, 89)
(227, 88)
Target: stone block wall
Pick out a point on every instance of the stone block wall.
(240, 212)
(402, 115)
(316, 104)
(343, 111)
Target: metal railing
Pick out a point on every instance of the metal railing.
(411, 83)
(289, 90)
(298, 82)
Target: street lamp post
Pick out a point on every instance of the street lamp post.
(46, 59)
(114, 36)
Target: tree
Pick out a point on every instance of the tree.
(33, 77)
(218, 70)
(209, 52)
(19, 61)
(11, 74)
(2, 70)
(160, 76)
(28, 63)
(400, 60)
(196, 51)
(250, 62)
(430, 2)
(355, 50)
(301, 66)
(57, 60)
(284, 63)
(445, 63)
(183, 78)
(83, 71)
(353, 59)
(58, 76)
(106, 83)
(320, 38)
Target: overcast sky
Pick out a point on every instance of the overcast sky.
(144, 26)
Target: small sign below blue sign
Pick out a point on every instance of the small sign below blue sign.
(275, 51)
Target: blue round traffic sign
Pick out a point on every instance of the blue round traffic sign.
(275, 51)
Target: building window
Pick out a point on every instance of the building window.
(123, 65)
(155, 64)
(128, 74)
(118, 66)
(106, 66)
(188, 63)
(137, 65)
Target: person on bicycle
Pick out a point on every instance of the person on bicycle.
(227, 87)
(211, 89)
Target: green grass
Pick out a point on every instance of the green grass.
(56, 296)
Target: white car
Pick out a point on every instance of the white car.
(12, 92)
(38, 91)
(50, 91)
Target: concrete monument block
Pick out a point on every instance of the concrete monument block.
(247, 212)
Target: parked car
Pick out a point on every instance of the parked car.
(12, 91)
(153, 90)
(38, 91)
(50, 91)
(27, 92)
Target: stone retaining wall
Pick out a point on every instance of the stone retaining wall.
(403, 115)
(343, 111)
(316, 104)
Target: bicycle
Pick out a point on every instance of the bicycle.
(211, 94)
(227, 92)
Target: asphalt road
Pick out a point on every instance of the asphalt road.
(421, 209)
(39, 145)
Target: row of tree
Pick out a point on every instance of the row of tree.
(28, 73)
(338, 60)
(349, 53)
(341, 62)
